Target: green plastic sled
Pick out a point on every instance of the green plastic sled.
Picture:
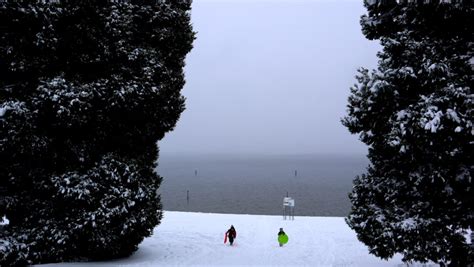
(283, 239)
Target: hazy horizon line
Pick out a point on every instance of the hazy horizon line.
(255, 154)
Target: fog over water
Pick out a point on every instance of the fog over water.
(257, 185)
(267, 84)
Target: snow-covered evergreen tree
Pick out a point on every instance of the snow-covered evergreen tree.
(87, 88)
(415, 112)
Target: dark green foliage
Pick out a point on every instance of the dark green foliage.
(87, 88)
(415, 112)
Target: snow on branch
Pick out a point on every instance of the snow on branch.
(414, 2)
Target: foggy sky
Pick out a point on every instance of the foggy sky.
(271, 77)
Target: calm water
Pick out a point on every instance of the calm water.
(257, 185)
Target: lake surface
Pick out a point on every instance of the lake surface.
(257, 185)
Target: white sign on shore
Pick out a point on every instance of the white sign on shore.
(288, 208)
(289, 202)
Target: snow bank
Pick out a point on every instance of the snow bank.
(197, 239)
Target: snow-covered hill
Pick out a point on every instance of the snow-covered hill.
(197, 239)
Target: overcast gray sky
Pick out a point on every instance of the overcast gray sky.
(271, 77)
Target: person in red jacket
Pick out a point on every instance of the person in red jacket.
(231, 234)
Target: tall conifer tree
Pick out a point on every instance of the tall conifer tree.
(87, 88)
(415, 112)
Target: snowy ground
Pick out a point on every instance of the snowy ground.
(197, 239)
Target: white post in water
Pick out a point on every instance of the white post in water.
(288, 208)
